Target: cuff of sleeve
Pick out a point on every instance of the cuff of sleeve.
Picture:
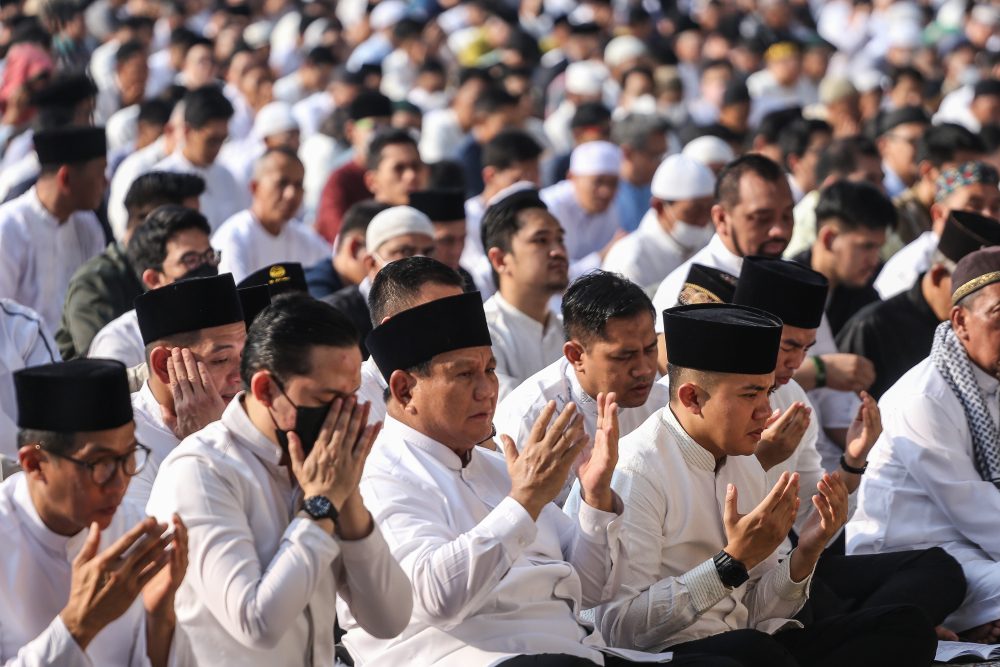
(305, 532)
(593, 522)
(704, 586)
(511, 524)
(788, 589)
(59, 647)
(360, 551)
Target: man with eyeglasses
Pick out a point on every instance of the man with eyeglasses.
(280, 534)
(267, 232)
(899, 132)
(395, 233)
(194, 333)
(171, 245)
(87, 580)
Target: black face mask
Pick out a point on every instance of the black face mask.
(308, 422)
(203, 271)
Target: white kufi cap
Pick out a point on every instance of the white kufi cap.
(595, 158)
(680, 177)
(709, 149)
(274, 118)
(396, 221)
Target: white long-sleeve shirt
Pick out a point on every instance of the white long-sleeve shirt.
(586, 233)
(222, 198)
(39, 255)
(522, 345)
(120, 339)
(262, 582)
(373, 387)
(246, 246)
(903, 268)
(647, 255)
(715, 255)
(131, 168)
(36, 569)
(24, 342)
(674, 501)
(488, 582)
(921, 488)
(152, 431)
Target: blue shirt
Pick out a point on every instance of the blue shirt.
(632, 202)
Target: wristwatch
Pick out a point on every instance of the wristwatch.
(732, 572)
(320, 507)
(851, 469)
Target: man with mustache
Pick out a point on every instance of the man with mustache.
(610, 348)
(525, 246)
(267, 232)
(194, 334)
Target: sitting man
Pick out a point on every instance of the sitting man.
(710, 528)
(527, 255)
(610, 348)
(194, 333)
(932, 479)
(498, 572)
(71, 586)
(278, 529)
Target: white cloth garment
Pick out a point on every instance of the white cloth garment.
(289, 89)
(674, 497)
(373, 387)
(715, 255)
(262, 582)
(246, 246)
(517, 412)
(312, 111)
(37, 568)
(321, 155)
(922, 489)
(19, 173)
(488, 582)
(586, 233)
(647, 255)
(440, 136)
(522, 345)
(240, 157)
(222, 198)
(38, 254)
(121, 340)
(131, 168)
(152, 431)
(903, 268)
(24, 342)
(474, 258)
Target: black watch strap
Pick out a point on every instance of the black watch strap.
(851, 469)
(320, 507)
(732, 572)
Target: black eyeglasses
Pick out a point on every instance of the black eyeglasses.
(193, 260)
(104, 468)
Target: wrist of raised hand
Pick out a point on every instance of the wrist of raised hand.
(600, 498)
(80, 634)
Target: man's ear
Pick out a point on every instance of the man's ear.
(401, 385)
(574, 351)
(152, 279)
(720, 218)
(496, 257)
(938, 273)
(690, 396)
(369, 178)
(30, 457)
(958, 322)
(63, 177)
(158, 358)
(261, 388)
(355, 247)
(827, 235)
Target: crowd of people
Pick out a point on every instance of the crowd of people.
(505, 333)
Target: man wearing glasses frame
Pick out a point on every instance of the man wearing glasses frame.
(87, 579)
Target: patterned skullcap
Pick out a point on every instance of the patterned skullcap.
(968, 173)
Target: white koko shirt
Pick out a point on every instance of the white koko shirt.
(246, 246)
(223, 197)
(262, 582)
(121, 340)
(35, 575)
(647, 255)
(521, 344)
(586, 233)
(150, 430)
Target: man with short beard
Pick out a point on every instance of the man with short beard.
(524, 243)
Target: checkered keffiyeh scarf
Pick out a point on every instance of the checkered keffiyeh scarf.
(953, 363)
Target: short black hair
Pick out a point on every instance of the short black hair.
(494, 100)
(445, 174)
(407, 28)
(589, 114)
(388, 137)
(727, 187)
(501, 221)
(940, 143)
(156, 111)
(398, 283)
(856, 206)
(843, 156)
(282, 337)
(148, 246)
(473, 74)
(52, 441)
(596, 297)
(906, 72)
(509, 147)
(204, 105)
(358, 217)
(158, 188)
(772, 124)
(129, 50)
(321, 55)
(796, 137)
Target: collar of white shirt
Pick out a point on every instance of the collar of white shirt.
(651, 229)
(523, 319)
(394, 429)
(584, 401)
(725, 259)
(53, 542)
(39, 210)
(237, 422)
(145, 402)
(987, 383)
(694, 454)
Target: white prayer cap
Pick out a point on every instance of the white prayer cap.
(595, 158)
(586, 77)
(387, 14)
(905, 35)
(274, 118)
(622, 49)
(709, 149)
(257, 35)
(867, 80)
(396, 221)
(987, 15)
(680, 177)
